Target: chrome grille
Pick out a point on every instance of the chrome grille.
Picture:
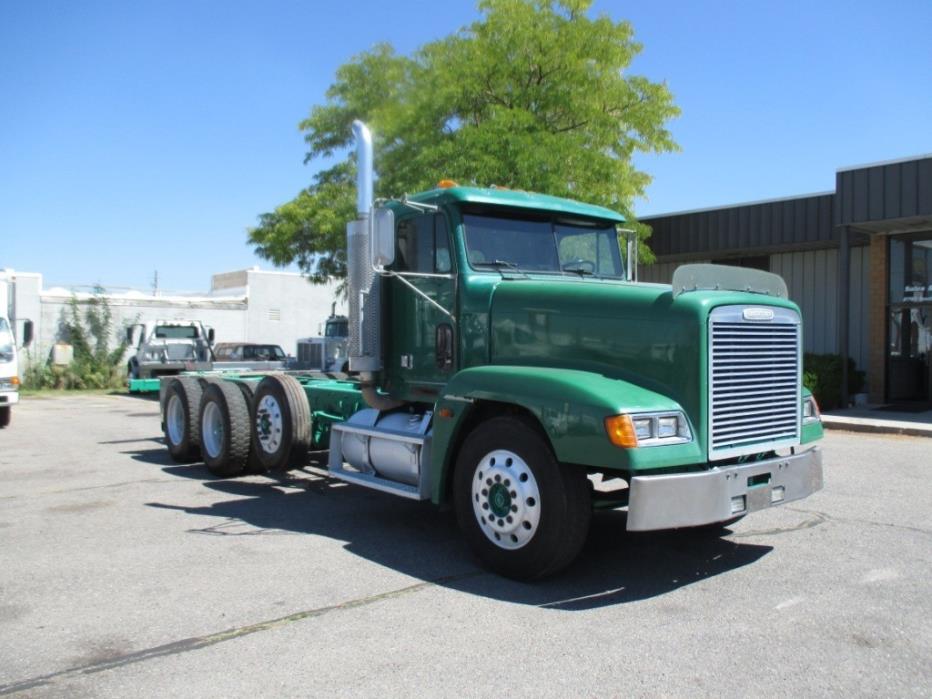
(311, 354)
(754, 381)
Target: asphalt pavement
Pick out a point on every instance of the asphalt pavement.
(124, 574)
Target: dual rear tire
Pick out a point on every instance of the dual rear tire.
(237, 427)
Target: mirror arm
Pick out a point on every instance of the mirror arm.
(418, 206)
(381, 271)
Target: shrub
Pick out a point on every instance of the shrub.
(822, 376)
(95, 365)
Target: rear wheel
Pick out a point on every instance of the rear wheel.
(524, 514)
(224, 429)
(253, 465)
(6, 414)
(281, 424)
(181, 426)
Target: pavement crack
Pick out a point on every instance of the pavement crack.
(854, 520)
(819, 518)
(197, 642)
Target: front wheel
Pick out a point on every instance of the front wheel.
(6, 414)
(524, 514)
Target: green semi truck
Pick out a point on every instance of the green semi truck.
(503, 360)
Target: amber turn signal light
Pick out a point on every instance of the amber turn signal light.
(447, 184)
(620, 431)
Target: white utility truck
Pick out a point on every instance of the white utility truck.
(9, 364)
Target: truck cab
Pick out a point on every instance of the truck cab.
(9, 367)
(327, 352)
(168, 347)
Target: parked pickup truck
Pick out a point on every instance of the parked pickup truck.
(249, 356)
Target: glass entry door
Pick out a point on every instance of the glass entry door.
(909, 343)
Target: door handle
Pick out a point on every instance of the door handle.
(443, 346)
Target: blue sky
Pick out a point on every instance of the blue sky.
(143, 136)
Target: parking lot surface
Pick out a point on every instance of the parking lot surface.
(124, 574)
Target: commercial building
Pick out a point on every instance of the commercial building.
(857, 260)
(249, 305)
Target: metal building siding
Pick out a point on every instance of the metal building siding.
(658, 273)
(811, 278)
(879, 192)
(767, 226)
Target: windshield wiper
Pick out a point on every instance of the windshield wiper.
(496, 263)
(578, 270)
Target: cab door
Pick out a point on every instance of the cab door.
(420, 334)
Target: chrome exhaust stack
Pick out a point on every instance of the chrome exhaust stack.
(363, 282)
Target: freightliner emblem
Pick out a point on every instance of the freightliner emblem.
(758, 314)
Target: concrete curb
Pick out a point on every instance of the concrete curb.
(831, 422)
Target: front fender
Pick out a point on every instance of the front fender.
(571, 406)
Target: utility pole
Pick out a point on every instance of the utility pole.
(155, 284)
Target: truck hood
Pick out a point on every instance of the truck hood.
(640, 333)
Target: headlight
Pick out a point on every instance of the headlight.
(648, 429)
(811, 411)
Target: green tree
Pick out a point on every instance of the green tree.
(534, 96)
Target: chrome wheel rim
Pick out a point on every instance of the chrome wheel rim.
(506, 499)
(269, 424)
(212, 430)
(174, 419)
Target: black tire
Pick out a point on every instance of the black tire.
(253, 465)
(184, 438)
(562, 513)
(6, 414)
(225, 448)
(281, 424)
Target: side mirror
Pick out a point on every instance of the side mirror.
(210, 336)
(383, 237)
(27, 333)
(129, 335)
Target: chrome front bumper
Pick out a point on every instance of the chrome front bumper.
(720, 494)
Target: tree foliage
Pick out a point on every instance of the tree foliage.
(534, 96)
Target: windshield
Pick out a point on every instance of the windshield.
(263, 353)
(337, 328)
(176, 332)
(528, 245)
(6, 341)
